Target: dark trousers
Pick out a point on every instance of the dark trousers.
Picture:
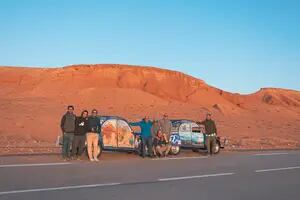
(78, 145)
(67, 144)
(210, 144)
(147, 142)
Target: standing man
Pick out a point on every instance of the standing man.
(155, 127)
(92, 136)
(67, 125)
(166, 126)
(81, 128)
(211, 133)
(146, 136)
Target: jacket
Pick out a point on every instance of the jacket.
(81, 126)
(210, 126)
(166, 126)
(67, 123)
(145, 128)
(93, 124)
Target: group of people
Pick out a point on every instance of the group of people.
(155, 135)
(77, 131)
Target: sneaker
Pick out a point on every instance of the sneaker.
(92, 159)
(96, 159)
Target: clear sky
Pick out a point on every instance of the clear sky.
(238, 46)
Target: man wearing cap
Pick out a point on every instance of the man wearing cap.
(211, 133)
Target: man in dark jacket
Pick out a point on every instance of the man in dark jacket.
(211, 133)
(81, 128)
(68, 128)
(146, 135)
(92, 137)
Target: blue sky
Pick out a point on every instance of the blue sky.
(239, 46)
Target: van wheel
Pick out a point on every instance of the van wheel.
(216, 148)
(195, 150)
(175, 150)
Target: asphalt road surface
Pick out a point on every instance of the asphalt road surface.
(227, 176)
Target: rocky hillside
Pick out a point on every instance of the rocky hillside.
(32, 101)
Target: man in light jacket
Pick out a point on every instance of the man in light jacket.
(166, 126)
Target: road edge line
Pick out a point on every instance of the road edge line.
(276, 169)
(59, 188)
(34, 164)
(194, 177)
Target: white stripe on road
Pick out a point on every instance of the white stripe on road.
(181, 158)
(277, 169)
(58, 188)
(34, 165)
(270, 154)
(194, 177)
(105, 184)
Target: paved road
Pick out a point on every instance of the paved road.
(251, 175)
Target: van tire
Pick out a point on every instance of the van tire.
(217, 147)
(175, 150)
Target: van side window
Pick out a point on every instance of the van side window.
(195, 128)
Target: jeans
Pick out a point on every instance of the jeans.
(92, 145)
(78, 143)
(67, 144)
(147, 141)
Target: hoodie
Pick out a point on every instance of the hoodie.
(81, 126)
(67, 123)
